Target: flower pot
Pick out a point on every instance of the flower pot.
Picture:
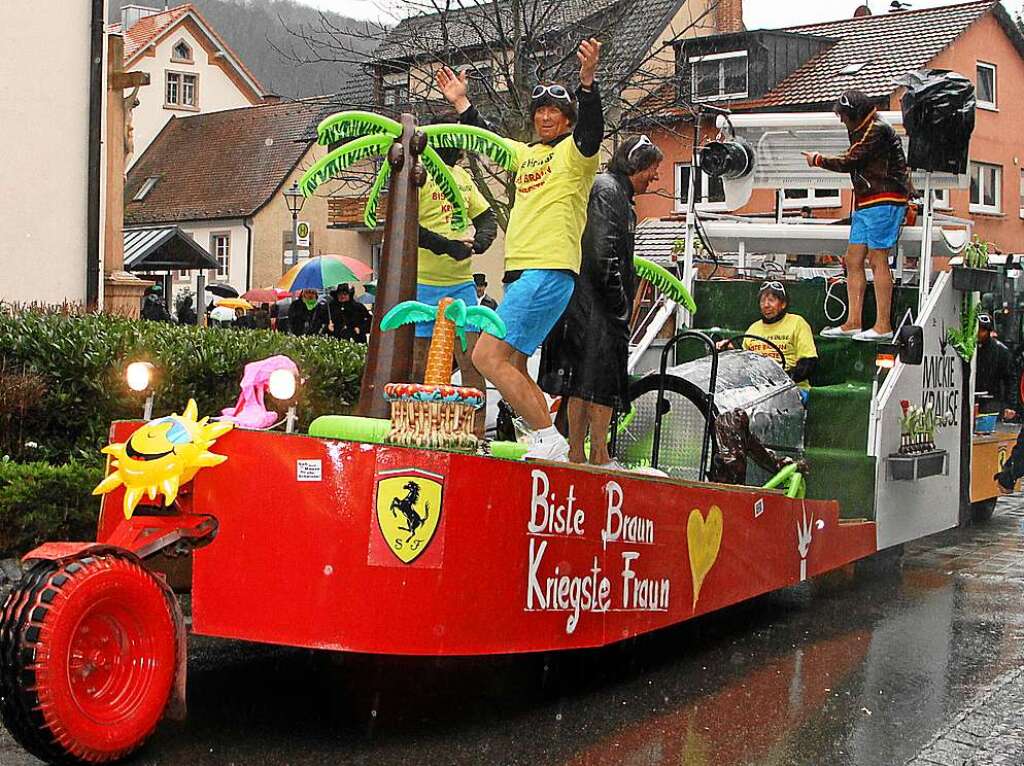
(974, 280)
(914, 467)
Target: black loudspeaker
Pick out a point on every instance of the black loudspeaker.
(910, 343)
(938, 115)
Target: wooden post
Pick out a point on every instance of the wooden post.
(389, 356)
(122, 292)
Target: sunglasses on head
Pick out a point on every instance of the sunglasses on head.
(555, 91)
(642, 141)
(772, 285)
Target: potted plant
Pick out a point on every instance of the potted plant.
(974, 275)
(917, 456)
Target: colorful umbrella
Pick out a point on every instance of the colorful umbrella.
(265, 295)
(324, 271)
(234, 303)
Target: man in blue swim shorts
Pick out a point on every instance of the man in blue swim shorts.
(542, 242)
(881, 187)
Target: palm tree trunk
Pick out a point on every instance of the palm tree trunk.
(389, 355)
(442, 348)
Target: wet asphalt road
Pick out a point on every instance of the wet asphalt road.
(886, 668)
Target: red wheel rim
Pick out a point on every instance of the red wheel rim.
(105, 659)
(110, 663)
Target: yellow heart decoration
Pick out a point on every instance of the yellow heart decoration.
(704, 538)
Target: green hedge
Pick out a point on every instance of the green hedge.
(40, 502)
(80, 361)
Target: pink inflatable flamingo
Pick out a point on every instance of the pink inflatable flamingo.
(250, 411)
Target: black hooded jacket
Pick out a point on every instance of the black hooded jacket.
(346, 320)
(995, 376)
(586, 353)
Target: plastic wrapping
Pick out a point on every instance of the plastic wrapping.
(938, 115)
(757, 403)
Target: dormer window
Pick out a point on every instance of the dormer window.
(395, 90)
(719, 76)
(145, 189)
(181, 53)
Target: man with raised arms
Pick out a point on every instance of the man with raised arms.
(542, 243)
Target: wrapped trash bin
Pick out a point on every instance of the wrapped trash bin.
(773, 410)
(938, 115)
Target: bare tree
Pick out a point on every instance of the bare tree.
(506, 47)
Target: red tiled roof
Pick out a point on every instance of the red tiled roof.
(890, 45)
(147, 29)
(219, 165)
(150, 29)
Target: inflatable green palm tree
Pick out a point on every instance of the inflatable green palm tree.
(409, 149)
(371, 135)
(450, 318)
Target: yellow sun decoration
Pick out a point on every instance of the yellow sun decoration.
(161, 456)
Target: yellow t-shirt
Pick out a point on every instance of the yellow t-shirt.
(791, 334)
(436, 215)
(546, 223)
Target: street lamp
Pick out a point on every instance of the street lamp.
(294, 198)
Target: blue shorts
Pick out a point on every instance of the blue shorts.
(877, 227)
(432, 295)
(532, 305)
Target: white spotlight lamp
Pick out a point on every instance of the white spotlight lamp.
(282, 385)
(139, 376)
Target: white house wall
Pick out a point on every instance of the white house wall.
(215, 91)
(202, 232)
(44, 127)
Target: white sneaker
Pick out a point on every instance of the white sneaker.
(612, 465)
(838, 332)
(646, 470)
(871, 335)
(547, 444)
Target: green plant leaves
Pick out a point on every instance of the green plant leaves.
(976, 253)
(81, 362)
(40, 502)
(964, 339)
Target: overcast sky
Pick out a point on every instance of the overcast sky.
(757, 14)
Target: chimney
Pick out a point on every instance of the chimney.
(862, 10)
(729, 16)
(132, 14)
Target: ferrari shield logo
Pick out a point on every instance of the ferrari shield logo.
(408, 510)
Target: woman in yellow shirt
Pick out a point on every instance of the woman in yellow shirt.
(790, 332)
